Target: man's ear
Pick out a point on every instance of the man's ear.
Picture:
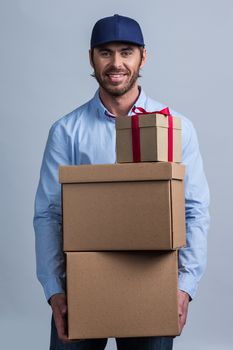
(91, 52)
(144, 57)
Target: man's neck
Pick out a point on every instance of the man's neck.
(120, 105)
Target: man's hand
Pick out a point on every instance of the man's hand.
(183, 303)
(59, 307)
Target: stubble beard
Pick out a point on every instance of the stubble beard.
(115, 91)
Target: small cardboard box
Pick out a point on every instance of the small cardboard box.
(153, 138)
(122, 294)
(131, 206)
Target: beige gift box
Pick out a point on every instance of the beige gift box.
(154, 141)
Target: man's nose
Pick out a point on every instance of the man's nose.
(117, 59)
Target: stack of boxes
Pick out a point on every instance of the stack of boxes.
(122, 226)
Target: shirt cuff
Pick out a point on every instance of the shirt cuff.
(187, 284)
(53, 286)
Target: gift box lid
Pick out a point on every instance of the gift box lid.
(148, 120)
(145, 171)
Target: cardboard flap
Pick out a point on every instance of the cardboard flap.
(148, 120)
(121, 172)
(145, 120)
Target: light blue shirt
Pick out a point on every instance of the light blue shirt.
(88, 136)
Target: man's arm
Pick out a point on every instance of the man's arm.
(193, 257)
(47, 218)
(47, 224)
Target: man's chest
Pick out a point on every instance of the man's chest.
(94, 143)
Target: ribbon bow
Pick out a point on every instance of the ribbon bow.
(136, 132)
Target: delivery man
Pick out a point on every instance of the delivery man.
(87, 136)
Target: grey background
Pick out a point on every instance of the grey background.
(45, 73)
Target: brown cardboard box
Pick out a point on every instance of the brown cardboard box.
(131, 206)
(122, 294)
(153, 138)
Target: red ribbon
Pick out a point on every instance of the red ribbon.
(136, 132)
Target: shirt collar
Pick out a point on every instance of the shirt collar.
(104, 113)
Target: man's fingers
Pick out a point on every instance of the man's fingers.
(182, 321)
(59, 306)
(183, 302)
(58, 318)
(60, 322)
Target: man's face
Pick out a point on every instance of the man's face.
(117, 66)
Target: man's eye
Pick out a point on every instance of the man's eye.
(105, 53)
(126, 53)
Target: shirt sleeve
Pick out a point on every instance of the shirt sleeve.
(50, 263)
(193, 257)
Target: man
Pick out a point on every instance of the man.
(87, 136)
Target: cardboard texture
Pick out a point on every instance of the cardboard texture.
(122, 294)
(153, 138)
(123, 207)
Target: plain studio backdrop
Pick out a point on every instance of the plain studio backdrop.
(45, 74)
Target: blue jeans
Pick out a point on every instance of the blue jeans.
(140, 343)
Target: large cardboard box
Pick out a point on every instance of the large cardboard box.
(153, 138)
(122, 294)
(131, 206)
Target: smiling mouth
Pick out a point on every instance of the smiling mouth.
(116, 77)
(116, 74)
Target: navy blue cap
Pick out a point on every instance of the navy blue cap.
(116, 29)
